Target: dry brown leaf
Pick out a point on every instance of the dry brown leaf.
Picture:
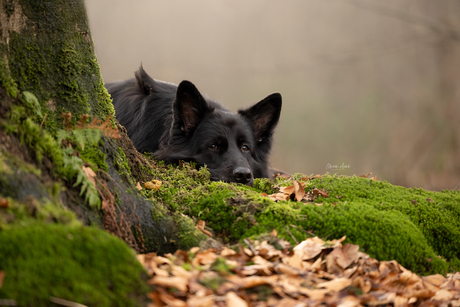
(252, 281)
(170, 282)
(299, 190)
(200, 225)
(287, 270)
(179, 271)
(196, 301)
(322, 192)
(343, 256)
(365, 176)
(90, 174)
(170, 300)
(335, 284)
(436, 280)
(138, 186)
(290, 302)
(288, 190)
(233, 300)
(374, 178)
(349, 301)
(2, 277)
(4, 203)
(316, 294)
(206, 257)
(274, 233)
(279, 196)
(318, 176)
(363, 283)
(442, 295)
(309, 248)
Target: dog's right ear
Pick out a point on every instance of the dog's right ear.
(144, 81)
(189, 108)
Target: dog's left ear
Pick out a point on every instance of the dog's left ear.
(189, 108)
(264, 115)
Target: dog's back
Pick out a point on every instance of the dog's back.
(144, 106)
(146, 117)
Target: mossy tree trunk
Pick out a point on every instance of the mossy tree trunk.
(49, 68)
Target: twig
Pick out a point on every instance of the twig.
(250, 246)
(44, 118)
(62, 302)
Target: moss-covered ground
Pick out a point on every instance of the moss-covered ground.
(76, 263)
(419, 229)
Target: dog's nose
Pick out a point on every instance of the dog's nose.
(242, 175)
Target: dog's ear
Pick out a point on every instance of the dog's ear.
(189, 108)
(144, 81)
(264, 115)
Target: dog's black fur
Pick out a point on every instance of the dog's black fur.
(177, 123)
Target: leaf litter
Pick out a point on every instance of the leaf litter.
(313, 273)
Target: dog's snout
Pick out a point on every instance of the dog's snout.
(242, 175)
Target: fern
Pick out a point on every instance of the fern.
(74, 167)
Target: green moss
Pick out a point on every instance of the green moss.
(7, 80)
(83, 264)
(58, 65)
(378, 216)
(189, 235)
(221, 266)
(95, 156)
(121, 164)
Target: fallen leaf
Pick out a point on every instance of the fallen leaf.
(200, 225)
(90, 174)
(436, 280)
(299, 190)
(318, 176)
(365, 176)
(4, 203)
(430, 200)
(335, 284)
(274, 233)
(138, 186)
(374, 178)
(206, 257)
(320, 192)
(233, 300)
(288, 190)
(413, 201)
(2, 277)
(206, 301)
(279, 196)
(309, 248)
(442, 295)
(170, 282)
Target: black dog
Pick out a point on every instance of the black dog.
(177, 123)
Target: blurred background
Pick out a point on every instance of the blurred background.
(368, 86)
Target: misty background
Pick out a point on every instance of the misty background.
(368, 86)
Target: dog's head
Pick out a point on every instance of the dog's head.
(233, 146)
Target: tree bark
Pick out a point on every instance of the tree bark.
(49, 66)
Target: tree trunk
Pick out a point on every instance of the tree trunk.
(49, 68)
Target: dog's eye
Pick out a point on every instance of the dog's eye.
(244, 148)
(213, 147)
